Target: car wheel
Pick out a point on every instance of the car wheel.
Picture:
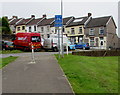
(55, 49)
(68, 48)
(83, 48)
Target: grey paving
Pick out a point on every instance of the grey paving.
(45, 76)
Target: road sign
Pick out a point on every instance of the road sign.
(58, 21)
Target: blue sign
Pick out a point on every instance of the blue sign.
(58, 21)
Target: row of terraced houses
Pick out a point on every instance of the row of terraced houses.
(98, 32)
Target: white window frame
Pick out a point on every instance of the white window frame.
(18, 28)
(42, 29)
(92, 41)
(80, 28)
(72, 29)
(30, 29)
(48, 28)
(91, 30)
(35, 28)
(101, 28)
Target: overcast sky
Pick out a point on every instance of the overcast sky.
(51, 8)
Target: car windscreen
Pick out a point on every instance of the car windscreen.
(35, 39)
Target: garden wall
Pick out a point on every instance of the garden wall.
(97, 53)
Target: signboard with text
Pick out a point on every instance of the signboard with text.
(58, 21)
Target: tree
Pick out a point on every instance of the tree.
(4, 26)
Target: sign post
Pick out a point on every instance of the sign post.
(58, 23)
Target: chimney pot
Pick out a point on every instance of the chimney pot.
(15, 17)
(32, 16)
(89, 14)
(44, 16)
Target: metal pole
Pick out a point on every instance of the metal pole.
(58, 40)
(62, 30)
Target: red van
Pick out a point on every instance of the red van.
(25, 41)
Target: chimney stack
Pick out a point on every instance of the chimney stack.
(89, 14)
(15, 17)
(44, 16)
(32, 16)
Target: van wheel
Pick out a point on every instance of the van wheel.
(37, 50)
(46, 50)
(55, 49)
(25, 49)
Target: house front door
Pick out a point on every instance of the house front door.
(96, 42)
(73, 40)
(101, 43)
(80, 39)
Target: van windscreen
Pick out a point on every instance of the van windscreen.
(35, 39)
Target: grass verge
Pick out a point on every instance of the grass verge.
(10, 51)
(91, 74)
(7, 60)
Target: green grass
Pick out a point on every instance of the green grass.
(7, 60)
(91, 74)
(10, 51)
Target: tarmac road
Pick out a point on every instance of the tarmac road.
(29, 54)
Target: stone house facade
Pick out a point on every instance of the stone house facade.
(101, 32)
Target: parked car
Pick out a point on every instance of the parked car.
(8, 45)
(82, 46)
(71, 46)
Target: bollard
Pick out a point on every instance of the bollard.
(67, 48)
(33, 56)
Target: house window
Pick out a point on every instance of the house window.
(48, 35)
(55, 31)
(42, 36)
(80, 30)
(68, 32)
(48, 28)
(101, 31)
(42, 29)
(101, 38)
(18, 29)
(72, 31)
(29, 29)
(23, 27)
(34, 28)
(91, 41)
(91, 31)
(72, 40)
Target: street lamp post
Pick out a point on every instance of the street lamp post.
(62, 30)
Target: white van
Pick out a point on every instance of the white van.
(52, 42)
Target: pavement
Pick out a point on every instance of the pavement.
(44, 76)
